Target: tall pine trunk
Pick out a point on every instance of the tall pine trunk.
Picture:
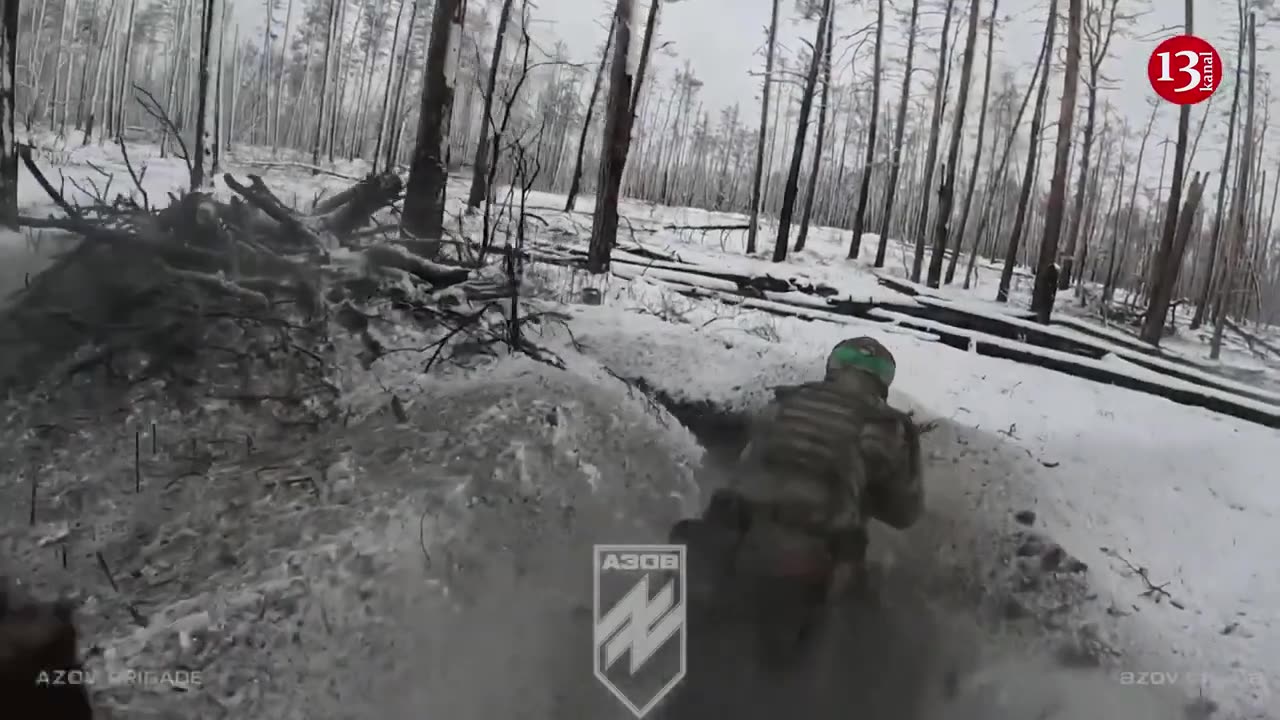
(480, 168)
(575, 182)
(1033, 152)
(1231, 264)
(757, 191)
(1215, 235)
(1164, 268)
(864, 186)
(8, 123)
(797, 154)
(820, 137)
(946, 194)
(614, 144)
(957, 237)
(931, 155)
(1046, 284)
(423, 215)
(899, 129)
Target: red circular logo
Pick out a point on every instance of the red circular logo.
(1185, 70)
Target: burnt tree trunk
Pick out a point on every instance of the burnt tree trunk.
(1215, 235)
(1046, 284)
(1033, 150)
(480, 168)
(1231, 264)
(753, 225)
(423, 216)
(864, 186)
(818, 139)
(931, 155)
(957, 237)
(899, 129)
(617, 138)
(8, 122)
(575, 182)
(802, 126)
(1161, 281)
(946, 194)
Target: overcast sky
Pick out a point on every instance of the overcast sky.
(723, 40)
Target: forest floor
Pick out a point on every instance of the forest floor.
(1119, 533)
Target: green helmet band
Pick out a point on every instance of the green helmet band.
(849, 357)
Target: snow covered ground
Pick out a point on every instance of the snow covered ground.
(1146, 492)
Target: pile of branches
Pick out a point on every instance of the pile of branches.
(209, 299)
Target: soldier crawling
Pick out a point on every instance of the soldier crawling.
(826, 456)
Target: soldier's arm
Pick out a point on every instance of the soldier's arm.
(764, 422)
(761, 426)
(895, 487)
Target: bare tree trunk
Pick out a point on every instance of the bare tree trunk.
(423, 215)
(615, 144)
(1164, 268)
(864, 186)
(1046, 283)
(276, 138)
(396, 122)
(206, 139)
(326, 84)
(1215, 236)
(1099, 42)
(946, 194)
(1033, 150)
(480, 168)
(931, 155)
(576, 180)
(900, 126)
(384, 119)
(999, 176)
(820, 137)
(1226, 287)
(753, 225)
(8, 121)
(802, 129)
(957, 237)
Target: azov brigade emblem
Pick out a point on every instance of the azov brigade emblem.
(640, 613)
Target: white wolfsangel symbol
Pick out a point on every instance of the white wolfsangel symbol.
(638, 624)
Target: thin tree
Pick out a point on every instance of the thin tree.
(615, 143)
(575, 180)
(753, 225)
(1237, 237)
(1033, 152)
(931, 155)
(326, 83)
(1116, 259)
(423, 215)
(480, 167)
(1215, 235)
(864, 186)
(957, 237)
(1164, 268)
(899, 130)
(1098, 33)
(790, 189)
(819, 138)
(946, 194)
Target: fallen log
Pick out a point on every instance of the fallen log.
(1251, 339)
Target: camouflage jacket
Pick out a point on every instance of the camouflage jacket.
(842, 437)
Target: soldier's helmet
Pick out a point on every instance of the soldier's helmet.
(862, 354)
